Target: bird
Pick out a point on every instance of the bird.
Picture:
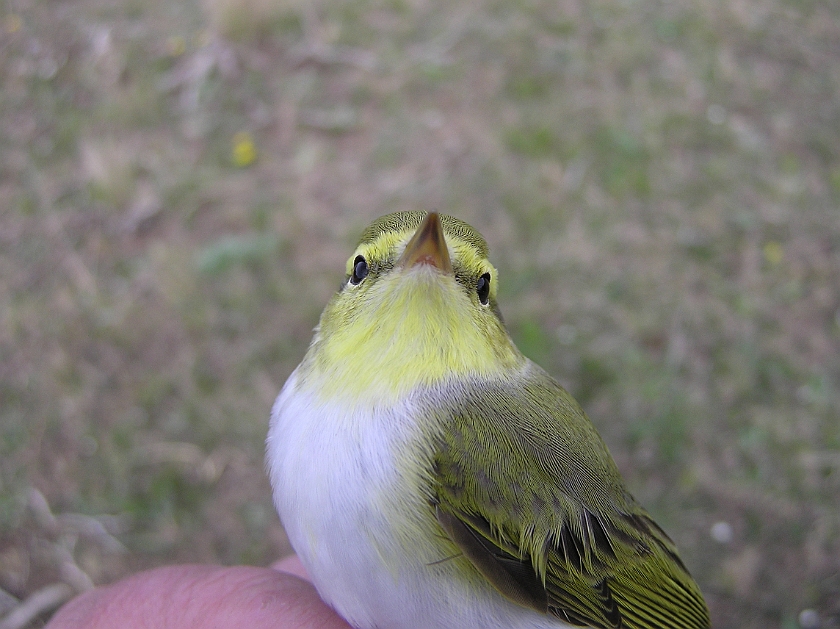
(428, 475)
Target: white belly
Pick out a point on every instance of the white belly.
(362, 526)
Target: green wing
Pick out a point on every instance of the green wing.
(565, 537)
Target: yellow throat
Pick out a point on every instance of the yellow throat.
(419, 315)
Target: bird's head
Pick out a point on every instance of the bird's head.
(417, 307)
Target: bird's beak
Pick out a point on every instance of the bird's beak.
(427, 246)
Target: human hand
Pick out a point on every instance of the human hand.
(200, 596)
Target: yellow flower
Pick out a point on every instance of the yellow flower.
(13, 23)
(176, 45)
(773, 252)
(244, 152)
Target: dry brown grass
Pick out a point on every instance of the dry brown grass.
(659, 183)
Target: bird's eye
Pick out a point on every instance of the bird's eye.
(360, 270)
(483, 289)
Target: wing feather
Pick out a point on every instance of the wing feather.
(553, 527)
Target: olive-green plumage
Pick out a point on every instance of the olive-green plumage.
(557, 518)
(463, 486)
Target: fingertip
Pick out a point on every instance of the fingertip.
(193, 597)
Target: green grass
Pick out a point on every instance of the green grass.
(659, 183)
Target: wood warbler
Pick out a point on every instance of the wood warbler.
(430, 476)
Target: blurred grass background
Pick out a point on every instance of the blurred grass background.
(181, 183)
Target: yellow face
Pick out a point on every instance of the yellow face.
(418, 307)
